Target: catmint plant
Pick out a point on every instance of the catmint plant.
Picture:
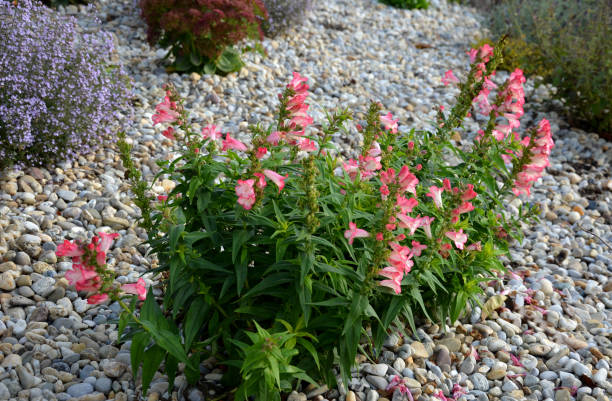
(58, 91)
(281, 257)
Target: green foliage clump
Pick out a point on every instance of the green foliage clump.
(569, 44)
(407, 4)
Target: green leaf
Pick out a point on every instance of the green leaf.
(241, 270)
(311, 349)
(167, 340)
(151, 361)
(239, 238)
(210, 68)
(182, 64)
(139, 343)
(174, 235)
(229, 61)
(194, 320)
(195, 59)
(171, 369)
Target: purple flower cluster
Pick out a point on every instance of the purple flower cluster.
(59, 94)
(284, 13)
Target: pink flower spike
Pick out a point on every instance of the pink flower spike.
(276, 178)
(435, 193)
(97, 299)
(446, 184)
(69, 249)
(354, 232)
(139, 288)
(169, 133)
(211, 132)
(389, 123)
(449, 77)
(458, 237)
(162, 198)
(231, 143)
(406, 205)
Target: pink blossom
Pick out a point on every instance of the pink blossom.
(400, 257)
(169, 133)
(379, 236)
(275, 137)
(458, 237)
(446, 184)
(465, 207)
(435, 193)
(276, 178)
(472, 53)
(374, 150)
(370, 163)
(351, 168)
(231, 143)
(307, 145)
(297, 101)
(476, 246)
(162, 198)
(298, 83)
(246, 193)
(469, 193)
(486, 51)
(426, 224)
(261, 180)
(354, 232)
(211, 132)
(418, 248)
(406, 205)
(69, 249)
(261, 152)
(165, 112)
(389, 123)
(449, 77)
(139, 288)
(387, 177)
(106, 240)
(407, 180)
(79, 274)
(97, 299)
(384, 191)
(395, 279)
(411, 223)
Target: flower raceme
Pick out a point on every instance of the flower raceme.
(165, 112)
(88, 271)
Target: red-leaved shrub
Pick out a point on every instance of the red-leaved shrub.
(200, 30)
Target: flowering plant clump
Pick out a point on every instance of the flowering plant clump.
(283, 14)
(57, 89)
(200, 33)
(281, 257)
(90, 273)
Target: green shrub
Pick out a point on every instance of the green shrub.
(408, 4)
(519, 54)
(569, 42)
(280, 256)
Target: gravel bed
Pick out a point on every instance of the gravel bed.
(551, 341)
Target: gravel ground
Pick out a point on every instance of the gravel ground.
(550, 341)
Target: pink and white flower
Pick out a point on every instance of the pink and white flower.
(139, 288)
(354, 232)
(458, 237)
(435, 194)
(389, 123)
(231, 143)
(276, 178)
